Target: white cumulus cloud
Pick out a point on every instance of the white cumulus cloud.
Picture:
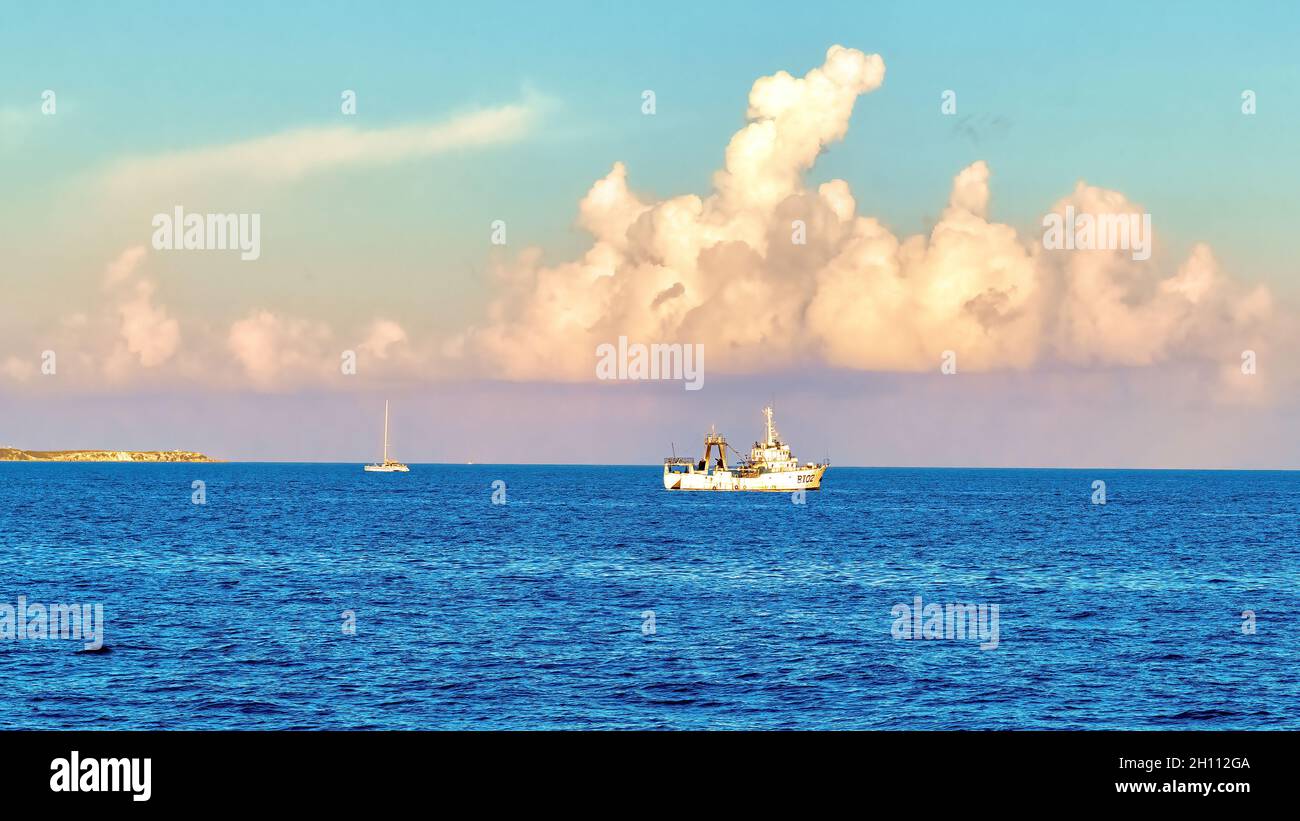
(277, 351)
(727, 270)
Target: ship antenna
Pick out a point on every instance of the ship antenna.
(771, 434)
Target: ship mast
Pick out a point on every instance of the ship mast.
(385, 431)
(771, 432)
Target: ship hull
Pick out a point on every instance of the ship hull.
(786, 481)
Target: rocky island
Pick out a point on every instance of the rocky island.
(8, 454)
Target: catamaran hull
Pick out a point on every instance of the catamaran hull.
(721, 480)
(385, 469)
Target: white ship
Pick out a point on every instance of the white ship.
(769, 467)
(388, 465)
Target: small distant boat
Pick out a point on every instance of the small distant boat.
(388, 465)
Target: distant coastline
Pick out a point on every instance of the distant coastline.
(16, 455)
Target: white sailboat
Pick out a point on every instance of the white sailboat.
(388, 465)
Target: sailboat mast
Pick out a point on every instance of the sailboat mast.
(385, 431)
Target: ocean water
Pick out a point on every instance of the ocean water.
(535, 614)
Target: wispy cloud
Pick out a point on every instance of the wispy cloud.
(291, 155)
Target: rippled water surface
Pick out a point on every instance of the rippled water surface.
(766, 614)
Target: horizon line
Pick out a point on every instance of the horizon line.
(653, 465)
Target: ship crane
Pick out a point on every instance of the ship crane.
(714, 439)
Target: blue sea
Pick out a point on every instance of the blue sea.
(594, 599)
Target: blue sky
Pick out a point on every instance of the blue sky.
(1139, 97)
(1142, 99)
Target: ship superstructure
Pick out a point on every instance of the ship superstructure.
(769, 466)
